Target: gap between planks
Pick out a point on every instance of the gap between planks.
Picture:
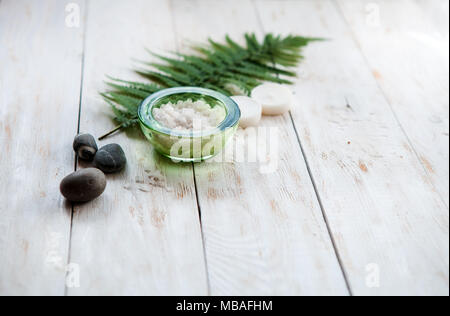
(313, 182)
(325, 217)
(194, 176)
(388, 101)
(294, 126)
(85, 19)
(205, 258)
(75, 167)
(199, 210)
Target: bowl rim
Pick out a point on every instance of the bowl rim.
(145, 113)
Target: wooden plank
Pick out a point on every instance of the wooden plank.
(413, 73)
(142, 237)
(39, 97)
(436, 11)
(264, 232)
(390, 226)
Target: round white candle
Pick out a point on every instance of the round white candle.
(275, 99)
(251, 111)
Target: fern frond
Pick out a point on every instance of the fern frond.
(128, 90)
(131, 104)
(224, 67)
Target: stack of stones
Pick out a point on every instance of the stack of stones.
(88, 184)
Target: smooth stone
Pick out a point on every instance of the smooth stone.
(110, 158)
(83, 185)
(85, 146)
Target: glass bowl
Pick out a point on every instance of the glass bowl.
(188, 146)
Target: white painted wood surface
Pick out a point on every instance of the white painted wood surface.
(372, 122)
(143, 235)
(383, 211)
(38, 118)
(436, 12)
(409, 57)
(262, 230)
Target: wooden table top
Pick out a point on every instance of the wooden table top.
(357, 203)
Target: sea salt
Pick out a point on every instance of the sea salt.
(189, 115)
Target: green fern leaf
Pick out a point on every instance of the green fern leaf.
(224, 67)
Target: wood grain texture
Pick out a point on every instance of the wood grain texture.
(371, 113)
(412, 71)
(437, 12)
(142, 237)
(382, 209)
(38, 118)
(264, 232)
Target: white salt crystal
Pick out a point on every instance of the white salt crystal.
(189, 115)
